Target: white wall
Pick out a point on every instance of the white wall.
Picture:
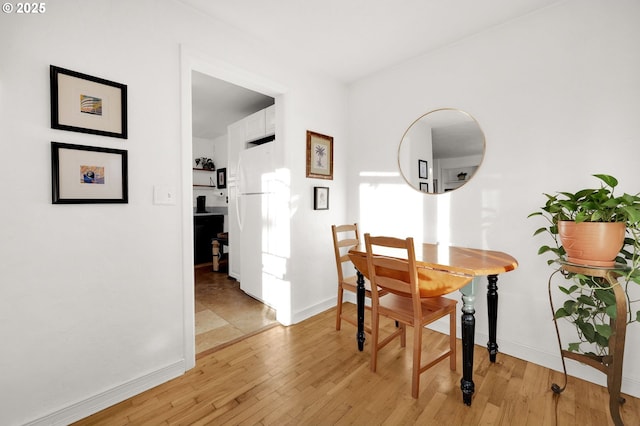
(94, 303)
(556, 93)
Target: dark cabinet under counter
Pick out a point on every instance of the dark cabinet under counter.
(205, 228)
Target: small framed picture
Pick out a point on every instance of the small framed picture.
(424, 187)
(319, 156)
(321, 198)
(87, 104)
(88, 174)
(222, 178)
(423, 169)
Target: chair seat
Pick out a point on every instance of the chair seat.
(401, 308)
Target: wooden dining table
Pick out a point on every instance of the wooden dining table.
(443, 269)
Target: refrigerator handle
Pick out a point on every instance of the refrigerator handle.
(239, 192)
(239, 175)
(238, 207)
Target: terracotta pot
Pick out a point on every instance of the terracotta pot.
(592, 243)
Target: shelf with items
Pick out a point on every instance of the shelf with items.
(204, 163)
(455, 177)
(210, 185)
(458, 174)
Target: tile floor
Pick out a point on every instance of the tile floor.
(224, 313)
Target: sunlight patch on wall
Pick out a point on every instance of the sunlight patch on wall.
(379, 174)
(443, 219)
(490, 208)
(390, 208)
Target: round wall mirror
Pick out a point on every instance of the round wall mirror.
(441, 150)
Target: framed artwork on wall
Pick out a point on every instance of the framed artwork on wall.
(423, 169)
(321, 198)
(222, 178)
(319, 156)
(87, 104)
(424, 187)
(87, 174)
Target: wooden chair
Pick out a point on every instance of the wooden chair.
(345, 237)
(399, 278)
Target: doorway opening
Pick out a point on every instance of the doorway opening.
(224, 314)
(193, 60)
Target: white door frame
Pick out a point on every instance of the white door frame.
(192, 60)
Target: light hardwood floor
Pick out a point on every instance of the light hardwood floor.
(311, 374)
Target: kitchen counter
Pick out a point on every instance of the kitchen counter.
(212, 211)
(206, 227)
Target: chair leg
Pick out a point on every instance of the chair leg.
(375, 331)
(452, 340)
(417, 358)
(339, 308)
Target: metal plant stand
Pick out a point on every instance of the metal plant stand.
(610, 364)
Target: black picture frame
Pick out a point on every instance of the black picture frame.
(424, 187)
(423, 169)
(321, 198)
(87, 104)
(222, 178)
(83, 174)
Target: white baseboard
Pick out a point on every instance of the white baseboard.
(106, 399)
(313, 310)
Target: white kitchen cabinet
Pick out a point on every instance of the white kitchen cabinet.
(260, 124)
(255, 125)
(270, 120)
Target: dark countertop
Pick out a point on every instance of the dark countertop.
(212, 211)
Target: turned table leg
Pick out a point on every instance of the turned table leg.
(492, 308)
(468, 336)
(360, 292)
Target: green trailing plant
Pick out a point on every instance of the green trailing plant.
(590, 303)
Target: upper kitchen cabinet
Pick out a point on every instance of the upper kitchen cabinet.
(260, 124)
(270, 120)
(252, 130)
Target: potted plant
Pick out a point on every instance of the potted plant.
(591, 303)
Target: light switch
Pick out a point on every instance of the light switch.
(164, 195)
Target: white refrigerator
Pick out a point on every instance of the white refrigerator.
(250, 214)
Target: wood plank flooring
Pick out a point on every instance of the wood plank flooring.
(311, 374)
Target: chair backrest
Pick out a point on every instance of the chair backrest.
(395, 273)
(345, 237)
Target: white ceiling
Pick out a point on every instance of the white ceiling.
(215, 104)
(350, 39)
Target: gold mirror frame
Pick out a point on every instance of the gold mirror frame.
(441, 151)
